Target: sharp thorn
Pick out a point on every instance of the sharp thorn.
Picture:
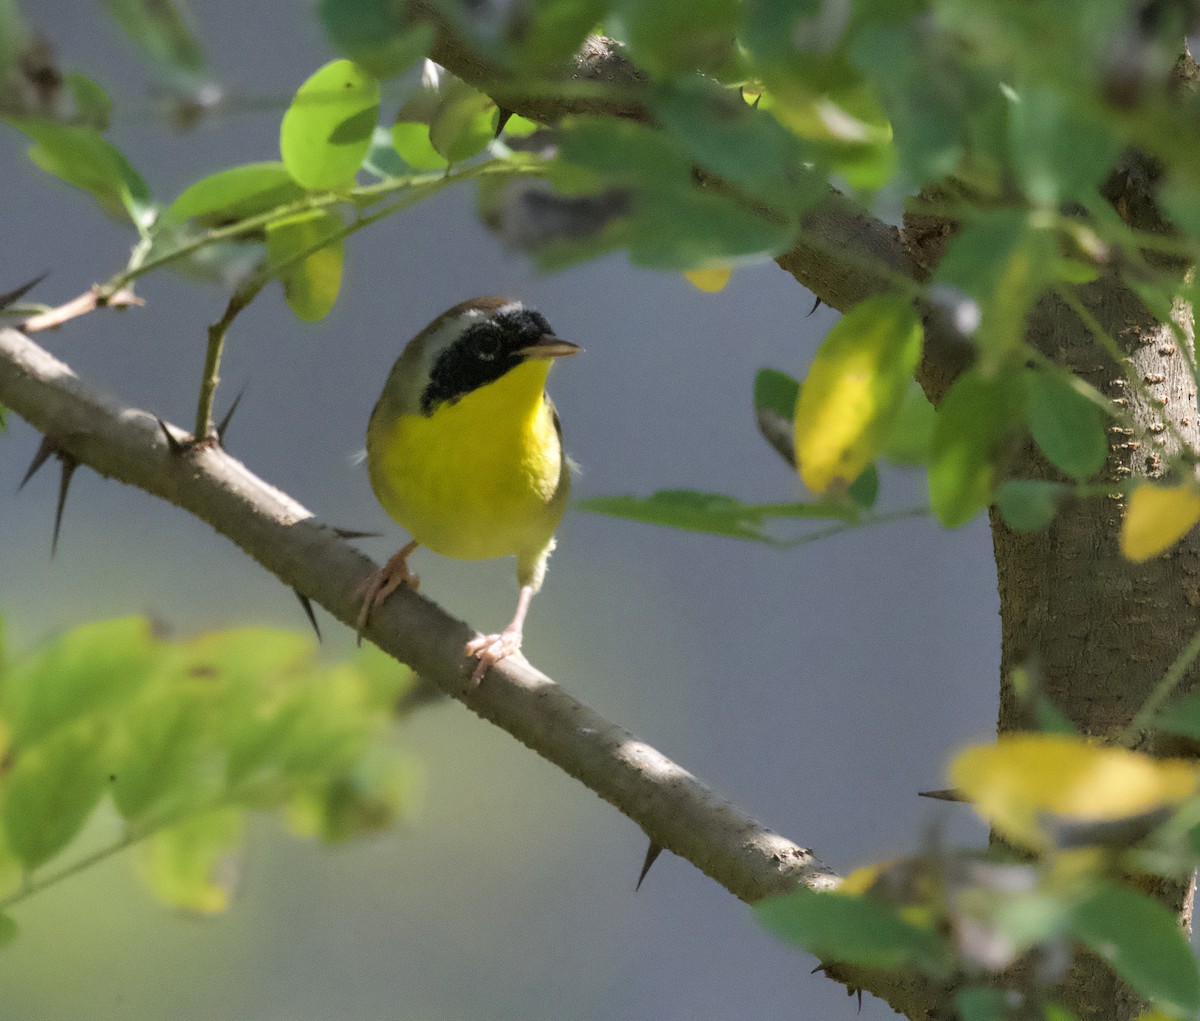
(44, 450)
(69, 464)
(819, 967)
(349, 533)
(224, 423)
(652, 853)
(816, 305)
(17, 293)
(175, 446)
(948, 794)
(859, 991)
(308, 611)
(501, 120)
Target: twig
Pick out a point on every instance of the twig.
(91, 299)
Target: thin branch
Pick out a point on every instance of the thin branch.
(673, 807)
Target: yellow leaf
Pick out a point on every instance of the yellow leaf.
(854, 390)
(710, 280)
(1156, 518)
(1029, 785)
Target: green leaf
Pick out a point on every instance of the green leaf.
(235, 193)
(776, 392)
(923, 92)
(463, 123)
(625, 152)
(306, 251)
(1066, 425)
(980, 1003)
(910, 438)
(411, 141)
(1182, 716)
(192, 866)
(382, 159)
(1029, 505)
(1062, 154)
(975, 425)
(551, 31)
(8, 930)
(1003, 262)
(82, 157)
(165, 755)
(92, 105)
(327, 130)
(743, 145)
(864, 490)
(669, 39)
(851, 930)
(711, 513)
(159, 30)
(50, 792)
(694, 229)
(374, 35)
(89, 670)
(854, 389)
(1142, 942)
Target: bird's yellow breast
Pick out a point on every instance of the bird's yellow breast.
(482, 477)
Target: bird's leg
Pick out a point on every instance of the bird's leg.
(383, 583)
(492, 648)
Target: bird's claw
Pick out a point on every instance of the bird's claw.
(382, 583)
(490, 649)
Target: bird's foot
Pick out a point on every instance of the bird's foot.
(490, 649)
(382, 583)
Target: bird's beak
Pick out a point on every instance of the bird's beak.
(549, 346)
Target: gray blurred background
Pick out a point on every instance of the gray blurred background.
(820, 687)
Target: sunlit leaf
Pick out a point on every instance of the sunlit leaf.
(463, 123)
(235, 193)
(1142, 942)
(51, 790)
(327, 130)
(1025, 784)
(193, 866)
(307, 251)
(411, 141)
(82, 157)
(854, 389)
(86, 671)
(1157, 517)
(709, 280)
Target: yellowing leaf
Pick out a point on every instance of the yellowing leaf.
(193, 865)
(306, 251)
(854, 390)
(1156, 518)
(710, 280)
(1026, 783)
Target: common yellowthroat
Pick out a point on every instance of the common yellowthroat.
(464, 450)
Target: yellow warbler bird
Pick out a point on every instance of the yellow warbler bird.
(464, 450)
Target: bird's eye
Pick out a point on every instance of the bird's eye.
(487, 346)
